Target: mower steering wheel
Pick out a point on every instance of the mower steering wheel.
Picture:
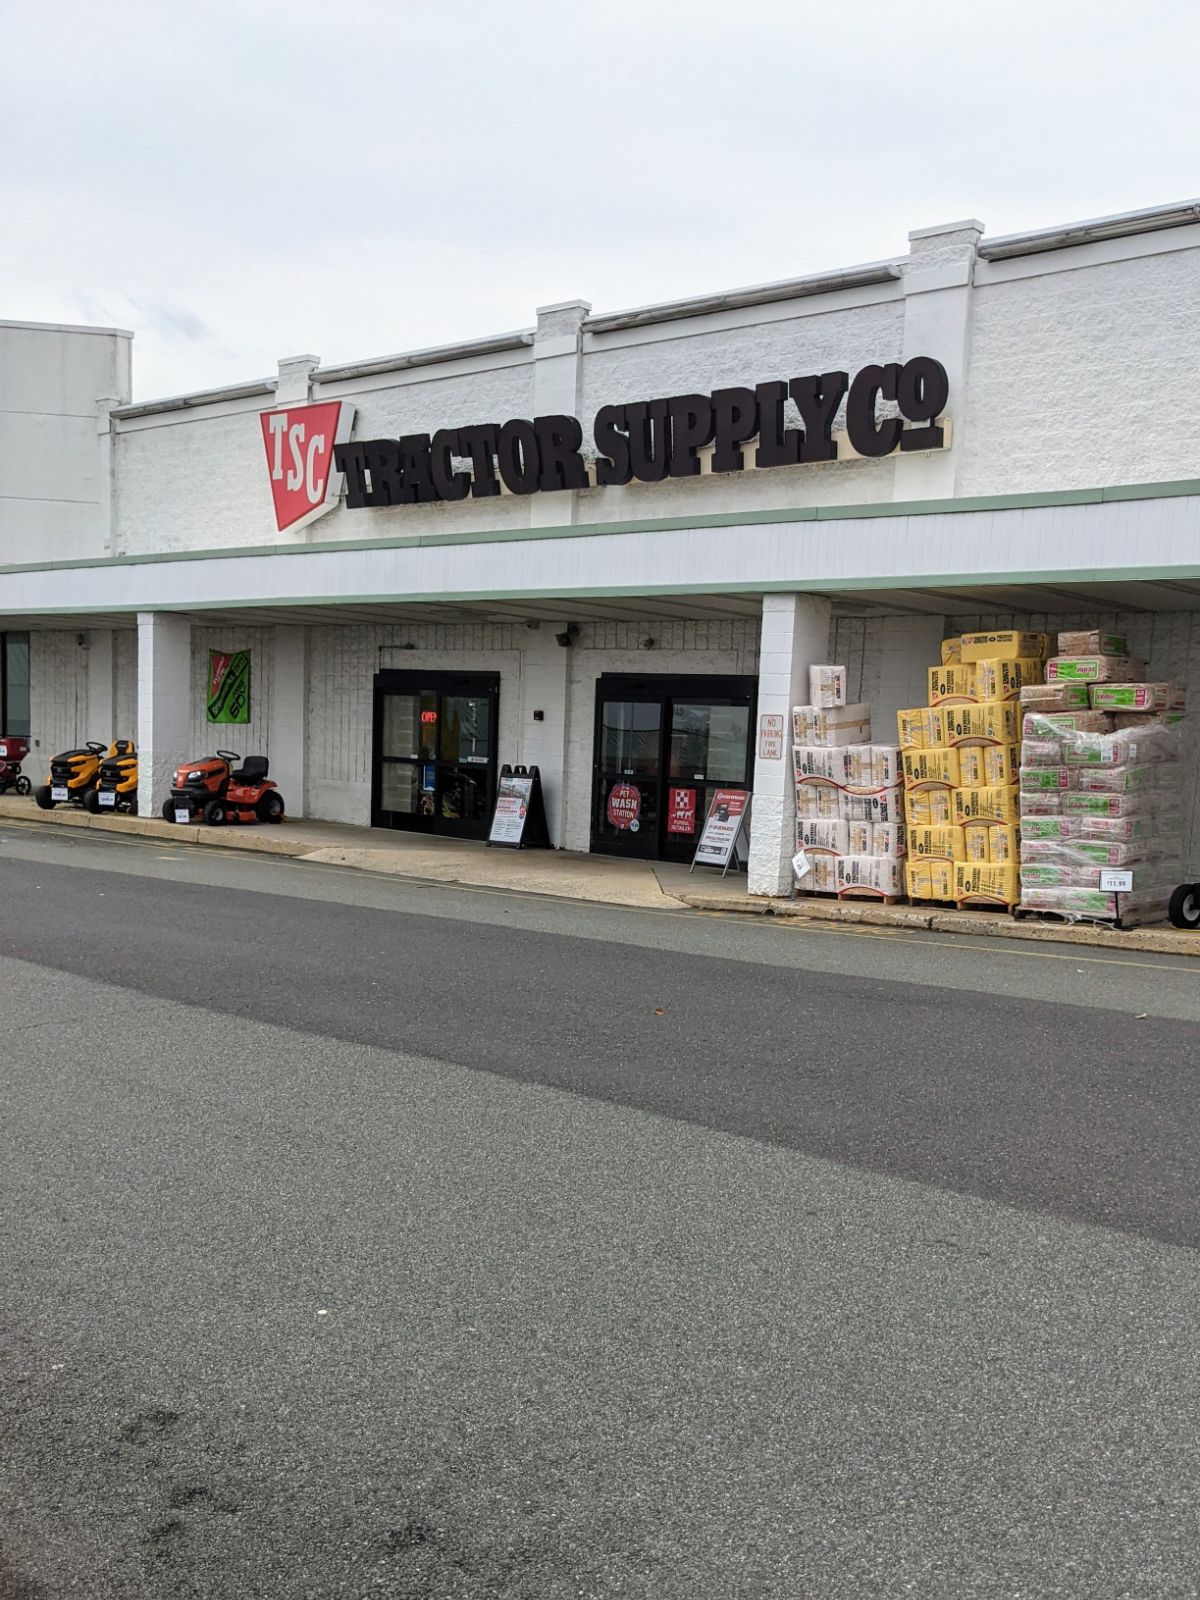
(96, 748)
(229, 755)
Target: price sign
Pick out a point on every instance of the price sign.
(1115, 882)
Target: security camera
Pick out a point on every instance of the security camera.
(568, 637)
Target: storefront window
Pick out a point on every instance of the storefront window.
(465, 726)
(629, 737)
(398, 787)
(464, 796)
(427, 726)
(710, 742)
(14, 683)
(400, 725)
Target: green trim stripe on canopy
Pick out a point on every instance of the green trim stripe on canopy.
(590, 530)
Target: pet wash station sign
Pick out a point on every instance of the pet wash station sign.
(895, 406)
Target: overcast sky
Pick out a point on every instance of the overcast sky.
(247, 180)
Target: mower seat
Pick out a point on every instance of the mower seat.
(252, 770)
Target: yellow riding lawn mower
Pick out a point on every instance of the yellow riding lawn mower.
(73, 775)
(116, 785)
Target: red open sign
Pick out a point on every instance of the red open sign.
(428, 716)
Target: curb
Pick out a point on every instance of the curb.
(232, 837)
(980, 924)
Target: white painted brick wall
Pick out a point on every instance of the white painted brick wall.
(545, 681)
(57, 698)
(125, 651)
(1083, 377)
(887, 660)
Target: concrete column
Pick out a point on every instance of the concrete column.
(544, 679)
(557, 375)
(795, 635)
(101, 677)
(294, 385)
(287, 716)
(164, 683)
(937, 322)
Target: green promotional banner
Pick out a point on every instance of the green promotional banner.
(229, 686)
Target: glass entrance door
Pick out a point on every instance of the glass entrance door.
(709, 749)
(435, 757)
(627, 793)
(664, 746)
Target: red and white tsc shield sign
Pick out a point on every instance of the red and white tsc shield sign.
(299, 443)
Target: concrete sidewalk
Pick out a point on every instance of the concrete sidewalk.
(605, 880)
(557, 872)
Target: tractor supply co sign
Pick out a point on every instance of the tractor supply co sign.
(888, 407)
(228, 686)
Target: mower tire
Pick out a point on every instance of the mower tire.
(214, 813)
(23, 785)
(91, 802)
(42, 798)
(1184, 910)
(270, 807)
(168, 810)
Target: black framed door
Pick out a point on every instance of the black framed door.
(433, 766)
(664, 745)
(627, 781)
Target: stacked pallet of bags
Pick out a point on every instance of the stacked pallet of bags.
(850, 838)
(961, 761)
(1100, 784)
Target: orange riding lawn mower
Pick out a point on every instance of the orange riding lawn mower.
(216, 790)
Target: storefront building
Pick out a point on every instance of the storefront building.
(608, 544)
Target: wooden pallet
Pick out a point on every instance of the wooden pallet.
(851, 894)
(1066, 919)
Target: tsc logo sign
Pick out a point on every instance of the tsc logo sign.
(299, 443)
